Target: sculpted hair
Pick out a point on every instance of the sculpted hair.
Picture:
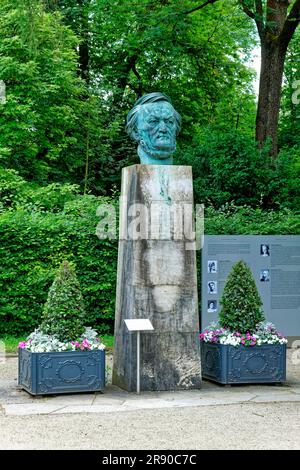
(132, 116)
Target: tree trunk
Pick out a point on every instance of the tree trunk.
(272, 67)
(84, 60)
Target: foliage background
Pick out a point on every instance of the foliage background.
(73, 69)
(39, 230)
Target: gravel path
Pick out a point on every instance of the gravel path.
(239, 417)
(245, 426)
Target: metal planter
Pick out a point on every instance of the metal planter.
(227, 364)
(61, 372)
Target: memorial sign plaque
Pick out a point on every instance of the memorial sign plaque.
(275, 264)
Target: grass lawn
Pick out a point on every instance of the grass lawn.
(108, 340)
(11, 342)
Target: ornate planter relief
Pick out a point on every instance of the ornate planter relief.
(228, 364)
(61, 372)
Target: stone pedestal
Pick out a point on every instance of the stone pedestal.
(157, 280)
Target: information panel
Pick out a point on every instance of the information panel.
(275, 264)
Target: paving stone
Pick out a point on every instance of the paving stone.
(29, 409)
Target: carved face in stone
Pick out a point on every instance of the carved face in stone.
(160, 260)
(156, 129)
(154, 124)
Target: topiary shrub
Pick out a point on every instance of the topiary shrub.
(64, 313)
(241, 302)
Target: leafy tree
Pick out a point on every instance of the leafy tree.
(289, 169)
(16, 193)
(149, 46)
(276, 22)
(64, 313)
(41, 118)
(241, 302)
(228, 167)
(157, 45)
(290, 105)
(77, 14)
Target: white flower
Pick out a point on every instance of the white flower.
(40, 342)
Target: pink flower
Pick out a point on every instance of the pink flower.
(22, 345)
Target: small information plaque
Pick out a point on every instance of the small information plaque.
(139, 324)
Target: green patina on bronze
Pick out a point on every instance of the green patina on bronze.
(154, 124)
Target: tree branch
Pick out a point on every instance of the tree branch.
(247, 10)
(199, 7)
(139, 79)
(257, 16)
(291, 23)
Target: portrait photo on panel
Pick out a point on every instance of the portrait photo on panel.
(265, 275)
(264, 250)
(212, 287)
(212, 266)
(212, 306)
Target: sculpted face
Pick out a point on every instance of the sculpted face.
(154, 124)
(156, 130)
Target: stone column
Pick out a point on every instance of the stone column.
(157, 279)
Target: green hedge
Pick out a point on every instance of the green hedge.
(33, 244)
(32, 247)
(244, 220)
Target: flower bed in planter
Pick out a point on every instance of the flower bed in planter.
(49, 366)
(242, 347)
(227, 364)
(61, 372)
(232, 358)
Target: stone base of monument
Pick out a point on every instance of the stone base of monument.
(169, 361)
(227, 364)
(61, 372)
(157, 280)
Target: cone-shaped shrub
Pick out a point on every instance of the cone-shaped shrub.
(64, 313)
(241, 302)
